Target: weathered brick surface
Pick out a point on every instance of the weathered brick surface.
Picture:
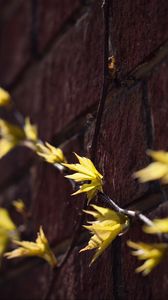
(50, 17)
(36, 275)
(77, 281)
(137, 29)
(122, 143)
(15, 42)
(157, 94)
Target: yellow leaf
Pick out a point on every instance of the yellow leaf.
(11, 136)
(160, 156)
(159, 226)
(8, 230)
(5, 220)
(107, 226)
(5, 98)
(86, 173)
(38, 248)
(157, 170)
(151, 253)
(5, 147)
(50, 153)
(11, 132)
(30, 131)
(19, 206)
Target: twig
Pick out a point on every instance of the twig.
(130, 213)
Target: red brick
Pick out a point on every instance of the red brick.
(122, 144)
(69, 80)
(26, 281)
(157, 93)
(51, 16)
(15, 42)
(79, 281)
(137, 29)
(28, 96)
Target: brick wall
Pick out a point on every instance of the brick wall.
(51, 60)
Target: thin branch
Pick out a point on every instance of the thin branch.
(130, 213)
(144, 219)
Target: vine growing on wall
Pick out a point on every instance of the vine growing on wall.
(107, 222)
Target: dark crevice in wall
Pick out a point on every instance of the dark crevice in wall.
(105, 11)
(118, 282)
(105, 84)
(147, 116)
(75, 238)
